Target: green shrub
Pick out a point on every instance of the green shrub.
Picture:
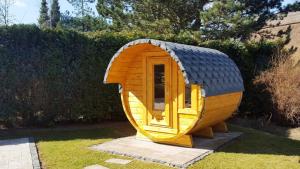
(52, 76)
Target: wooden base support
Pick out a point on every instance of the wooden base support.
(206, 132)
(184, 141)
(220, 127)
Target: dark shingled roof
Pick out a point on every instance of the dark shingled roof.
(210, 68)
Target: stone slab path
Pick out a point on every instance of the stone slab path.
(95, 167)
(118, 161)
(18, 154)
(175, 156)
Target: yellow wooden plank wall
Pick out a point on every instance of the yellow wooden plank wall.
(118, 69)
(133, 88)
(217, 109)
(220, 107)
(186, 116)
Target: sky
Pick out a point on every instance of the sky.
(27, 11)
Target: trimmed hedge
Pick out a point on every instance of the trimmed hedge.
(52, 76)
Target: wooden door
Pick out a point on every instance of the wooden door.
(158, 82)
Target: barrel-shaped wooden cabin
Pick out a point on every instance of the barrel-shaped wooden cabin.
(171, 91)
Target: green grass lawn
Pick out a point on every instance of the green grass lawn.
(67, 148)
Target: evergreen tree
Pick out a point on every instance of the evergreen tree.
(117, 11)
(82, 7)
(44, 17)
(83, 11)
(226, 20)
(55, 14)
(181, 14)
(236, 18)
(75, 23)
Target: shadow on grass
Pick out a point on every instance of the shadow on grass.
(111, 131)
(257, 142)
(293, 133)
(251, 142)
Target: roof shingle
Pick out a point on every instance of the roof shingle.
(210, 68)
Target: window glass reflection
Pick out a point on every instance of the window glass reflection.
(187, 96)
(159, 87)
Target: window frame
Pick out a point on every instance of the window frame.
(185, 97)
(181, 97)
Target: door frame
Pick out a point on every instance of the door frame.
(170, 123)
(152, 113)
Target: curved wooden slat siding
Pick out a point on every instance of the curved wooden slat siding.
(206, 112)
(135, 101)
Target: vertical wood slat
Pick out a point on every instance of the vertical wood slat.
(194, 97)
(174, 86)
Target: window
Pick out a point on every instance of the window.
(187, 97)
(159, 87)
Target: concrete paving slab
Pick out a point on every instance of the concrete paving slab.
(95, 167)
(118, 161)
(18, 154)
(174, 156)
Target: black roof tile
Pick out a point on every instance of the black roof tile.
(210, 68)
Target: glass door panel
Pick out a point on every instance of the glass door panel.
(159, 87)
(158, 91)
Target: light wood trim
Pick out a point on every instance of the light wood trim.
(187, 111)
(155, 53)
(160, 129)
(151, 61)
(194, 98)
(174, 95)
(181, 95)
(145, 119)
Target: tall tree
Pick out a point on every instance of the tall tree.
(54, 14)
(82, 7)
(44, 16)
(83, 11)
(181, 14)
(6, 17)
(118, 12)
(91, 23)
(236, 18)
